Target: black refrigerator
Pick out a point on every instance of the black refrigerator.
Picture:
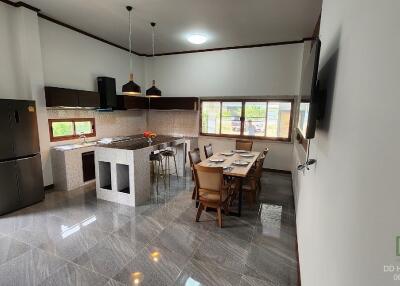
(21, 180)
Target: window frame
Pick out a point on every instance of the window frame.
(242, 118)
(74, 136)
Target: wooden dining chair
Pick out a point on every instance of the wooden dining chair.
(252, 183)
(213, 192)
(265, 152)
(194, 158)
(242, 144)
(208, 151)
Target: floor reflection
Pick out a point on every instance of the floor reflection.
(270, 218)
(69, 230)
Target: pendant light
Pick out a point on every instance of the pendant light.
(153, 91)
(130, 88)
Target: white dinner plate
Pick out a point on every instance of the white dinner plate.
(217, 160)
(227, 153)
(240, 163)
(241, 151)
(247, 155)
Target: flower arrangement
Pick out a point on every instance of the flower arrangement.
(149, 135)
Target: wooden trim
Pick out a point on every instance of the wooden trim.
(277, 171)
(71, 137)
(300, 138)
(298, 260)
(86, 33)
(9, 3)
(278, 139)
(20, 4)
(235, 47)
(23, 4)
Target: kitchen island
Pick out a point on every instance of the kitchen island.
(123, 168)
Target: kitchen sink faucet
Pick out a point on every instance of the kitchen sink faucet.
(83, 136)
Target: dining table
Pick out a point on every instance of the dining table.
(236, 163)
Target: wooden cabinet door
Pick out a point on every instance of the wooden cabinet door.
(89, 99)
(88, 167)
(177, 103)
(58, 97)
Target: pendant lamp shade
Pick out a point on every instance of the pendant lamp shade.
(130, 88)
(153, 91)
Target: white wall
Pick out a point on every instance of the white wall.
(348, 204)
(73, 60)
(259, 71)
(8, 72)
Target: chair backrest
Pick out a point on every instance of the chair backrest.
(244, 144)
(209, 178)
(194, 157)
(208, 151)
(259, 166)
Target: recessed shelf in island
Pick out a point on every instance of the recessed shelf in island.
(123, 178)
(105, 175)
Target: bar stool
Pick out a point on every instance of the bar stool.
(168, 153)
(158, 170)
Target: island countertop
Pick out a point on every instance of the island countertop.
(136, 142)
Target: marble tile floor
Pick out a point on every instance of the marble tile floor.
(71, 238)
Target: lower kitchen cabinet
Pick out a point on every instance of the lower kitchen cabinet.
(88, 168)
(73, 168)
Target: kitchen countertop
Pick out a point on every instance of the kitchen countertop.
(139, 142)
(134, 142)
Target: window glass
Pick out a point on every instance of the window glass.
(83, 127)
(255, 115)
(230, 118)
(62, 129)
(66, 129)
(266, 119)
(210, 117)
(303, 117)
(278, 119)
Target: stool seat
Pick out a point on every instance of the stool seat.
(168, 153)
(155, 157)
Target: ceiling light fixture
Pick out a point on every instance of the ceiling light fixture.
(197, 39)
(130, 88)
(153, 91)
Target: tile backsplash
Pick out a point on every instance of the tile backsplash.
(108, 124)
(174, 122)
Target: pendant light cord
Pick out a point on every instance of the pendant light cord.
(130, 44)
(153, 24)
(153, 38)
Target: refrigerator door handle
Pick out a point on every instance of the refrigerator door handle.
(18, 158)
(16, 116)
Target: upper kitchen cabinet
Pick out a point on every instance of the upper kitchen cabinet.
(171, 103)
(132, 102)
(64, 97)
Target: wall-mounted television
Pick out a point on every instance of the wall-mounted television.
(311, 101)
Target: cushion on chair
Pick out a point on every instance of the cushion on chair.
(212, 196)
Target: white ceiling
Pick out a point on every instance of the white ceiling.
(225, 22)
